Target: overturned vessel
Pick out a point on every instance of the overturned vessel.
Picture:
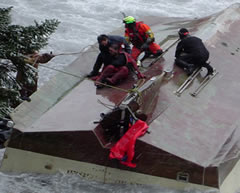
(193, 135)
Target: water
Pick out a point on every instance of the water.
(81, 22)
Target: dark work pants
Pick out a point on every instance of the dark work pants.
(103, 58)
(197, 61)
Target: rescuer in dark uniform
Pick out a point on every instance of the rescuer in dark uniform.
(191, 53)
(104, 57)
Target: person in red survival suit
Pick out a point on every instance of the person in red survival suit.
(142, 38)
(119, 68)
(104, 57)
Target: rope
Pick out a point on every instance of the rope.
(110, 86)
(133, 90)
(77, 76)
(140, 82)
(101, 83)
(106, 105)
(72, 53)
(80, 52)
(64, 72)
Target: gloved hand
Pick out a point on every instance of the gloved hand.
(141, 76)
(91, 74)
(44, 58)
(144, 46)
(150, 40)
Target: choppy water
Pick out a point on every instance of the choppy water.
(61, 183)
(81, 22)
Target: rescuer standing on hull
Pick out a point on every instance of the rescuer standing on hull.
(119, 68)
(104, 57)
(142, 38)
(191, 53)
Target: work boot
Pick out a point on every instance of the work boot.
(98, 83)
(209, 68)
(146, 55)
(109, 81)
(159, 52)
(190, 69)
(92, 74)
(25, 98)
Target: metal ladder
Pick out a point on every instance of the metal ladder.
(188, 81)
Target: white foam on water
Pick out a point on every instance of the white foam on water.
(82, 21)
(64, 183)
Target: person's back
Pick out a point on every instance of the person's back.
(191, 53)
(113, 39)
(193, 45)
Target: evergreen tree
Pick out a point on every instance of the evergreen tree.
(16, 42)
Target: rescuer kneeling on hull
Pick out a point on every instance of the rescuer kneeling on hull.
(142, 38)
(191, 53)
(119, 68)
(104, 57)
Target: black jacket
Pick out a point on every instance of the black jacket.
(116, 40)
(191, 45)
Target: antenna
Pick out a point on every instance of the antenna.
(124, 15)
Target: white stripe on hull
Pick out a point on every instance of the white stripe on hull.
(231, 184)
(16, 160)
